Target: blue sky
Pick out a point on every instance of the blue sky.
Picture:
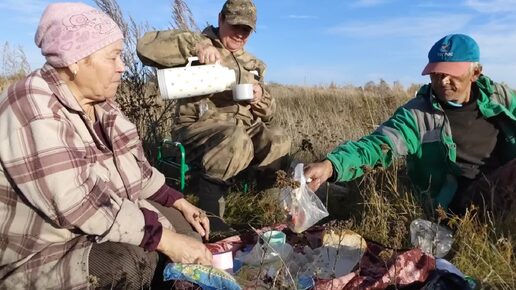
(308, 42)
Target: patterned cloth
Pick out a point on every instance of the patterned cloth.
(379, 267)
(208, 278)
(222, 135)
(61, 188)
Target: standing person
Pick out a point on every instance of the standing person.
(458, 134)
(80, 204)
(221, 135)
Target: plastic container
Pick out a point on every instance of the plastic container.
(273, 238)
(430, 237)
(191, 81)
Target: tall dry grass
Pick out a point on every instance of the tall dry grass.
(14, 65)
(328, 115)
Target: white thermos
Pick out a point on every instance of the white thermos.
(191, 81)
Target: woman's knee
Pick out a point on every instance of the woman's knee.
(121, 266)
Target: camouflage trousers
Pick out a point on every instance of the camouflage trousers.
(224, 147)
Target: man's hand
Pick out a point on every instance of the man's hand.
(257, 93)
(207, 53)
(195, 216)
(183, 249)
(318, 173)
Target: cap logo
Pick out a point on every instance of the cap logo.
(445, 51)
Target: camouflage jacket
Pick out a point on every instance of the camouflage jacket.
(171, 48)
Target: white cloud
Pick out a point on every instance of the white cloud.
(427, 26)
(293, 16)
(492, 6)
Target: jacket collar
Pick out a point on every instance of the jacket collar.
(65, 95)
(485, 87)
(213, 33)
(60, 89)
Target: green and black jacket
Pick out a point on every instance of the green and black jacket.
(421, 131)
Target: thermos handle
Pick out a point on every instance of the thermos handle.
(195, 58)
(190, 60)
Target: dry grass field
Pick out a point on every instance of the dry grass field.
(379, 206)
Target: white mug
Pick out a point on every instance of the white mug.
(243, 92)
(223, 261)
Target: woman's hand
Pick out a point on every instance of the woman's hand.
(318, 173)
(184, 249)
(207, 53)
(195, 216)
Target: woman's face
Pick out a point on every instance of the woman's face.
(98, 76)
(233, 37)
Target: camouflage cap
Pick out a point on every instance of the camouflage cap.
(240, 12)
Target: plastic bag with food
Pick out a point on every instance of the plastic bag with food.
(302, 205)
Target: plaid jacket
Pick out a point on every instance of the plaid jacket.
(61, 189)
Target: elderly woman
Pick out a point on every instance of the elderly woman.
(80, 206)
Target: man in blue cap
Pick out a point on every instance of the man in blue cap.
(458, 133)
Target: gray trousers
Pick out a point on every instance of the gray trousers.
(123, 266)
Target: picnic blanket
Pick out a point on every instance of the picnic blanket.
(379, 267)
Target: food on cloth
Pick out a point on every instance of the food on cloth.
(340, 253)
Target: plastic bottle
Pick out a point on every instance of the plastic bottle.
(430, 237)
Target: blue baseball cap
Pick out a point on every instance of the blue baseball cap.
(453, 55)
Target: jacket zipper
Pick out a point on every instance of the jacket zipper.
(239, 68)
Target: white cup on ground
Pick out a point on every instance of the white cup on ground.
(223, 261)
(243, 92)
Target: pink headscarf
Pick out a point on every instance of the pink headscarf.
(69, 32)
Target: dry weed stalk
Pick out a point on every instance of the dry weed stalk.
(483, 252)
(14, 65)
(14, 62)
(182, 17)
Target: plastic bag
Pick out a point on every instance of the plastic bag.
(430, 237)
(263, 253)
(303, 206)
(208, 278)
